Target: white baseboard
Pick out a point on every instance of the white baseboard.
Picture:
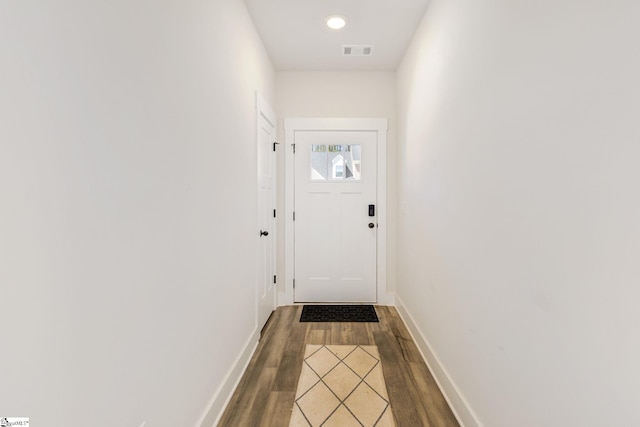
(460, 407)
(223, 394)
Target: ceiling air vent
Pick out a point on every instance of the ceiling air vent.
(357, 50)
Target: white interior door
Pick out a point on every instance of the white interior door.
(265, 263)
(335, 227)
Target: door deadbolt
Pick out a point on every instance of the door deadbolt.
(371, 225)
(264, 233)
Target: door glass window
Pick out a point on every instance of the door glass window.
(336, 162)
(319, 170)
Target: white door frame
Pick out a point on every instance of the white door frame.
(379, 125)
(264, 111)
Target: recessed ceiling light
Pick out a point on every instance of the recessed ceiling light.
(336, 22)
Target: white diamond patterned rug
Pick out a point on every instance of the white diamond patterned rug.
(341, 386)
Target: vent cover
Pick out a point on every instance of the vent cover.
(357, 50)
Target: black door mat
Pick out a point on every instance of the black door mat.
(338, 313)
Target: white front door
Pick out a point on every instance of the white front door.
(335, 216)
(265, 264)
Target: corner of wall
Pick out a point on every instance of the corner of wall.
(460, 407)
(222, 395)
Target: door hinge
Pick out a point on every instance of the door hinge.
(294, 215)
(274, 145)
(274, 213)
(294, 148)
(294, 283)
(274, 278)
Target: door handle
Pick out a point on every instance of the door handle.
(264, 233)
(371, 225)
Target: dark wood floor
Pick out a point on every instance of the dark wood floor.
(266, 392)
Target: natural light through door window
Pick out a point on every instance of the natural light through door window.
(336, 162)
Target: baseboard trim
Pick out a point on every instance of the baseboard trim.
(460, 407)
(222, 396)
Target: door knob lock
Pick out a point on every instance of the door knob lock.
(371, 225)
(264, 233)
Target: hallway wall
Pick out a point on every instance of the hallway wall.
(340, 94)
(127, 207)
(518, 206)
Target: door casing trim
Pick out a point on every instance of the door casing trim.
(379, 125)
(264, 110)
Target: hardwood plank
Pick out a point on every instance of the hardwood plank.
(397, 327)
(278, 410)
(400, 386)
(342, 333)
(362, 333)
(316, 336)
(433, 400)
(249, 409)
(275, 342)
(292, 355)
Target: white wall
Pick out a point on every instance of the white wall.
(127, 219)
(518, 235)
(339, 94)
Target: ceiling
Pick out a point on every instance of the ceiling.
(296, 37)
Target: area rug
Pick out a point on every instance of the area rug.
(338, 313)
(341, 386)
